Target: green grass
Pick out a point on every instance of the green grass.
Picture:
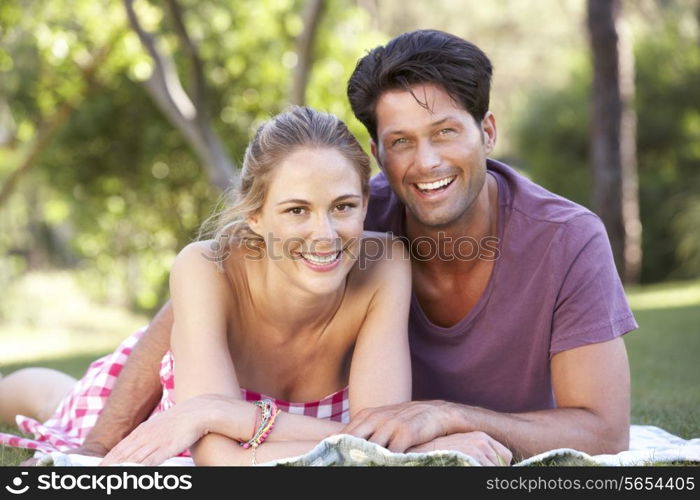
(663, 352)
(46, 319)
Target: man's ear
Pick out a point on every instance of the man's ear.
(375, 152)
(489, 131)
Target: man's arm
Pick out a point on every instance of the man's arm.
(592, 391)
(136, 390)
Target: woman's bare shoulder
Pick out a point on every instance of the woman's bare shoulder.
(206, 259)
(380, 247)
(379, 254)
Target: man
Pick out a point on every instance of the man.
(515, 337)
(525, 346)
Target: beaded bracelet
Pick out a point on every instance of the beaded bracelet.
(269, 412)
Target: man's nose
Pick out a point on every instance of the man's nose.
(427, 155)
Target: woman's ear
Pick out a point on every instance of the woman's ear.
(253, 222)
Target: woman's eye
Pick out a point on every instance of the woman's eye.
(344, 207)
(296, 210)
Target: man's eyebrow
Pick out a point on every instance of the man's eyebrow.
(446, 119)
(299, 201)
(433, 124)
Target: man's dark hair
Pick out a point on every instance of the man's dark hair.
(421, 57)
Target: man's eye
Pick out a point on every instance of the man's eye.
(447, 131)
(399, 141)
(296, 210)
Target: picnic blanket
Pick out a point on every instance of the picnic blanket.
(648, 444)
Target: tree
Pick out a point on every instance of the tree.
(126, 178)
(188, 114)
(52, 124)
(305, 50)
(613, 136)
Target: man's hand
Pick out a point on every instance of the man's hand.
(91, 449)
(162, 436)
(399, 427)
(478, 445)
(178, 428)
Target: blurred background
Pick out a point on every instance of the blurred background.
(121, 121)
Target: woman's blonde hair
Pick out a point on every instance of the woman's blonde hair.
(274, 140)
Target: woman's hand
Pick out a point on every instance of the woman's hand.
(478, 445)
(166, 434)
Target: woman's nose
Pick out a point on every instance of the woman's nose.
(324, 230)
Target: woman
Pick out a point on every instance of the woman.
(285, 301)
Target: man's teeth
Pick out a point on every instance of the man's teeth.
(427, 186)
(317, 259)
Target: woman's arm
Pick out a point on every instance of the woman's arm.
(203, 366)
(207, 420)
(380, 372)
(219, 450)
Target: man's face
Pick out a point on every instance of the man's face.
(434, 159)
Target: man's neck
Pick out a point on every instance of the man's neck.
(456, 247)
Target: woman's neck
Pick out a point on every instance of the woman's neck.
(291, 310)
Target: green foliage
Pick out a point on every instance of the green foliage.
(119, 191)
(552, 138)
(553, 143)
(668, 107)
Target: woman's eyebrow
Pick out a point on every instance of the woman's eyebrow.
(305, 202)
(294, 200)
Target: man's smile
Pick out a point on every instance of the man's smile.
(433, 187)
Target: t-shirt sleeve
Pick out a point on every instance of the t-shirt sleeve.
(591, 306)
(383, 211)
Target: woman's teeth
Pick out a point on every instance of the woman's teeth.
(318, 259)
(431, 186)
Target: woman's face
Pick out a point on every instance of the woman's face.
(312, 218)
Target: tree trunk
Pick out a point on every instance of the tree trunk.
(188, 116)
(613, 136)
(305, 50)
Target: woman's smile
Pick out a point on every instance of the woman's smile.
(322, 262)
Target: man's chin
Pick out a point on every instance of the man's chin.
(436, 220)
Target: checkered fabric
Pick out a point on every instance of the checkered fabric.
(335, 406)
(79, 410)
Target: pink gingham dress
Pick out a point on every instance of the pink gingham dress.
(78, 412)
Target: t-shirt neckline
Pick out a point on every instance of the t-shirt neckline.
(461, 325)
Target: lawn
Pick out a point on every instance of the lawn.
(663, 353)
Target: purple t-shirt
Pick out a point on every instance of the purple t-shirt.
(554, 286)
